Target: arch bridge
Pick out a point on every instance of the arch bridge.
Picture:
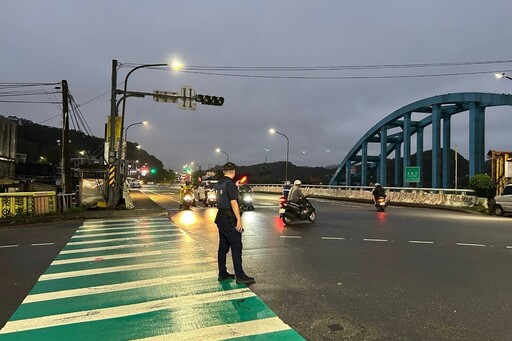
(439, 111)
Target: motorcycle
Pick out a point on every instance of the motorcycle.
(188, 200)
(210, 199)
(290, 211)
(380, 203)
(245, 201)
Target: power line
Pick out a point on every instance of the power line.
(38, 102)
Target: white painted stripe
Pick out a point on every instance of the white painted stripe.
(127, 227)
(139, 230)
(116, 247)
(117, 287)
(334, 238)
(42, 244)
(420, 242)
(469, 244)
(291, 237)
(154, 265)
(123, 239)
(125, 255)
(509, 247)
(226, 331)
(374, 240)
(125, 310)
(6, 246)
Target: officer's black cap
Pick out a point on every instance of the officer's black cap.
(229, 166)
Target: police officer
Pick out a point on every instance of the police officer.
(229, 223)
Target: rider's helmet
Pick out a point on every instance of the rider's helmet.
(297, 182)
(287, 183)
(377, 184)
(187, 183)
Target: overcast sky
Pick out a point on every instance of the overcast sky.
(47, 41)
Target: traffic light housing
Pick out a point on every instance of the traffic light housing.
(209, 100)
(153, 171)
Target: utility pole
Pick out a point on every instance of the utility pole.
(66, 169)
(456, 164)
(112, 139)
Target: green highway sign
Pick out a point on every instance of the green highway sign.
(412, 174)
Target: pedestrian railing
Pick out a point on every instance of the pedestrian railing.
(66, 201)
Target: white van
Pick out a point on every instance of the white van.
(503, 202)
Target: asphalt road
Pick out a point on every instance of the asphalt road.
(355, 274)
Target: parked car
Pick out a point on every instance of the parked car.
(503, 203)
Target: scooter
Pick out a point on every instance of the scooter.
(188, 200)
(290, 211)
(245, 201)
(380, 203)
(211, 199)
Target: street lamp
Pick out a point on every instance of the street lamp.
(266, 151)
(125, 149)
(502, 75)
(218, 150)
(273, 131)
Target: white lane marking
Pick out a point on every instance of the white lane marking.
(124, 239)
(509, 247)
(374, 240)
(469, 244)
(42, 244)
(7, 246)
(125, 310)
(86, 230)
(291, 237)
(140, 230)
(117, 287)
(227, 331)
(153, 265)
(124, 255)
(116, 247)
(334, 238)
(420, 242)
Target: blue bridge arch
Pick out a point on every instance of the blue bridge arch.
(439, 109)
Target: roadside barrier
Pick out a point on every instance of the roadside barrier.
(405, 195)
(27, 203)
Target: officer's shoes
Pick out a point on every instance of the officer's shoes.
(245, 280)
(226, 277)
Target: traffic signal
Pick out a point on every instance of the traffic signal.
(153, 171)
(209, 100)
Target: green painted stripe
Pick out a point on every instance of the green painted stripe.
(169, 237)
(107, 263)
(288, 335)
(153, 323)
(119, 298)
(113, 278)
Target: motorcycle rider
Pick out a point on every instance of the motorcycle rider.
(378, 191)
(184, 189)
(296, 195)
(286, 189)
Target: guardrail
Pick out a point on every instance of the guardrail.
(27, 203)
(409, 195)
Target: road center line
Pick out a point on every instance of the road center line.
(334, 238)
(469, 244)
(42, 244)
(420, 242)
(291, 237)
(7, 246)
(374, 240)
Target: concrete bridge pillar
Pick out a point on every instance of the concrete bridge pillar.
(476, 139)
(447, 161)
(383, 151)
(407, 146)
(436, 142)
(364, 164)
(419, 153)
(398, 152)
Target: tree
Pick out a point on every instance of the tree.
(482, 185)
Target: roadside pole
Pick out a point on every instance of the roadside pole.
(111, 185)
(66, 169)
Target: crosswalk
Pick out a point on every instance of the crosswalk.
(139, 279)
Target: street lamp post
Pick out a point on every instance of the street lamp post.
(175, 66)
(273, 131)
(502, 75)
(218, 150)
(125, 150)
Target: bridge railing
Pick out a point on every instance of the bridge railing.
(407, 195)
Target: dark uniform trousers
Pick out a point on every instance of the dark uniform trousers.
(229, 237)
